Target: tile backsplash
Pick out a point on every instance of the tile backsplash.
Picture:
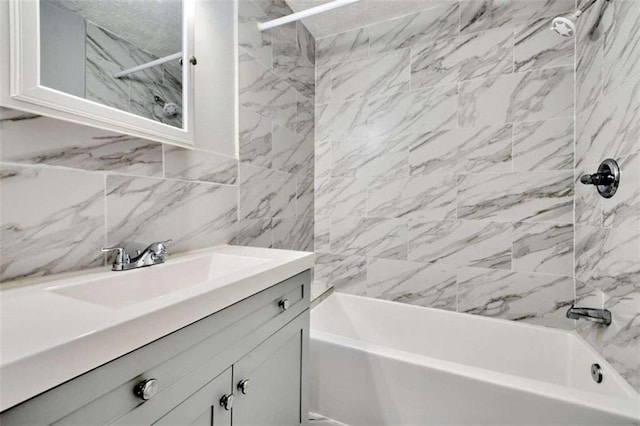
(449, 145)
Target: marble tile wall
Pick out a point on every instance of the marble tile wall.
(68, 190)
(444, 160)
(108, 53)
(448, 147)
(277, 103)
(607, 250)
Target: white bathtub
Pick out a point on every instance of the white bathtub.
(375, 362)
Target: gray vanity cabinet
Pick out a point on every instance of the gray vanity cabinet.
(254, 353)
(270, 381)
(203, 408)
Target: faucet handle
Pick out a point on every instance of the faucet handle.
(121, 257)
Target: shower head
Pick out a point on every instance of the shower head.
(566, 25)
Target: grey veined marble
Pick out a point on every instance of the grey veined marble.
(525, 196)
(200, 214)
(52, 221)
(531, 298)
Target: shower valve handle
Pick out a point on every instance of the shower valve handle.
(597, 179)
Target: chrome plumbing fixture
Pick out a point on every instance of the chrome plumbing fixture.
(154, 254)
(606, 180)
(600, 316)
(596, 373)
(566, 25)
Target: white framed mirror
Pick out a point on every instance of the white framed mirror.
(122, 65)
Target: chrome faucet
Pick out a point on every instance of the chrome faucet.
(154, 254)
(600, 316)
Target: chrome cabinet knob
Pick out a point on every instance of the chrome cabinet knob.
(243, 386)
(146, 389)
(284, 304)
(193, 60)
(227, 401)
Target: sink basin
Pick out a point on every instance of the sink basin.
(120, 289)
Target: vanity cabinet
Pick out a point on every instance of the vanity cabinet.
(244, 365)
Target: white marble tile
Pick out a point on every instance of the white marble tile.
(180, 163)
(464, 150)
(543, 145)
(255, 42)
(536, 47)
(421, 284)
(479, 15)
(413, 113)
(294, 233)
(322, 159)
(610, 128)
(341, 197)
(429, 197)
(266, 193)
(461, 243)
(348, 274)
(531, 298)
(543, 248)
(343, 47)
(255, 233)
(623, 210)
(374, 76)
(51, 221)
(193, 215)
(305, 117)
(622, 45)
(618, 342)
(536, 95)
(322, 234)
(513, 197)
(34, 139)
(385, 238)
(294, 68)
(263, 92)
(341, 120)
(292, 153)
(607, 259)
(323, 84)
(588, 203)
(306, 42)
(589, 56)
(305, 196)
(370, 157)
(255, 141)
(436, 22)
(482, 54)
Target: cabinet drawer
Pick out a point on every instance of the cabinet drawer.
(107, 393)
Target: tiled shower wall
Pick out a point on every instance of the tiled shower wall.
(277, 89)
(68, 190)
(445, 163)
(608, 231)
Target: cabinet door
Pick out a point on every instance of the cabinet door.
(203, 407)
(274, 384)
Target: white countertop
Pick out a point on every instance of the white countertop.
(47, 338)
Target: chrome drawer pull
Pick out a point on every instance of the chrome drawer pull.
(146, 389)
(243, 386)
(227, 401)
(284, 304)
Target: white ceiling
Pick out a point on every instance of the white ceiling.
(153, 25)
(356, 15)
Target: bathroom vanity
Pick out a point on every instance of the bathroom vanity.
(227, 346)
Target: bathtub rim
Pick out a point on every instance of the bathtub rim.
(628, 407)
